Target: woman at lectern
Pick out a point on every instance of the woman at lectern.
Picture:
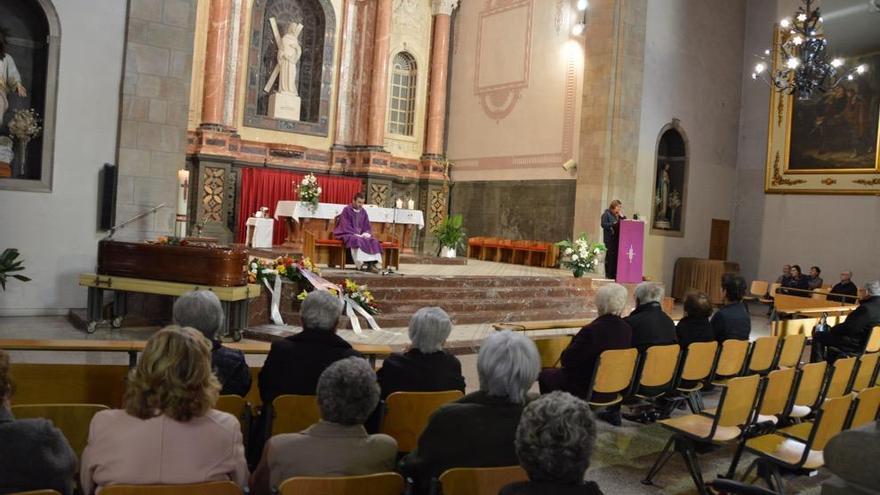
(611, 236)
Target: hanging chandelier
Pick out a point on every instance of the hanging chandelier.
(802, 53)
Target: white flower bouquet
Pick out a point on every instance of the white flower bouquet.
(25, 125)
(309, 191)
(581, 255)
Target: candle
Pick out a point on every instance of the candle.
(182, 196)
(399, 203)
(411, 204)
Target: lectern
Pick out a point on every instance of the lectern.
(630, 249)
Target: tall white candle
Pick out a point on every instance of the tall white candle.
(399, 203)
(182, 196)
(411, 204)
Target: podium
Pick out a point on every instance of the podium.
(630, 251)
(259, 232)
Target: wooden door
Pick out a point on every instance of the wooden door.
(718, 239)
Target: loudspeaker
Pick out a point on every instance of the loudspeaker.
(107, 182)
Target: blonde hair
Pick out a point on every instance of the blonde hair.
(173, 377)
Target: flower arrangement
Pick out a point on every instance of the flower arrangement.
(284, 266)
(582, 255)
(361, 295)
(310, 191)
(25, 125)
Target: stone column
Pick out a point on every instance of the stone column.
(216, 57)
(379, 86)
(442, 10)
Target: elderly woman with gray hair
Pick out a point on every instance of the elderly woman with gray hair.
(608, 331)
(650, 325)
(201, 309)
(554, 442)
(425, 367)
(338, 445)
(478, 430)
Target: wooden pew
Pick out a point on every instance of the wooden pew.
(69, 383)
(787, 304)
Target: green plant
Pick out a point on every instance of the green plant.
(581, 255)
(8, 264)
(449, 233)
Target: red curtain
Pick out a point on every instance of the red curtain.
(266, 187)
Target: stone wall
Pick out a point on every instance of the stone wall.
(153, 121)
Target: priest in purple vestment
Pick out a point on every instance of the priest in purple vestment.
(353, 229)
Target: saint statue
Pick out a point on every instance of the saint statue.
(289, 52)
(663, 194)
(10, 79)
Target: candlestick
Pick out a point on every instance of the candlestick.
(182, 196)
(411, 204)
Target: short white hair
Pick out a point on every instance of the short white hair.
(648, 292)
(508, 364)
(199, 309)
(873, 288)
(320, 311)
(610, 299)
(429, 328)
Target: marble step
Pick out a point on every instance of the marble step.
(409, 294)
(457, 306)
(375, 281)
(402, 320)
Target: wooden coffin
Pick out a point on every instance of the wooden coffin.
(217, 266)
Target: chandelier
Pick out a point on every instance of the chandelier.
(802, 51)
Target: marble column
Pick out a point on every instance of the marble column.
(379, 86)
(216, 58)
(442, 10)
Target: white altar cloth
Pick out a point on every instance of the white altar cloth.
(327, 211)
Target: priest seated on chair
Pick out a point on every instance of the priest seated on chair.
(353, 229)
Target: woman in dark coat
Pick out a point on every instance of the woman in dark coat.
(695, 326)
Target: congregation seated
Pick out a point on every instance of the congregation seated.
(338, 445)
(844, 287)
(294, 363)
(650, 324)
(425, 367)
(796, 281)
(607, 332)
(168, 432)
(695, 326)
(34, 455)
(853, 456)
(851, 335)
(554, 442)
(814, 281)
(478, 430)
(201, 309)
(732, 321)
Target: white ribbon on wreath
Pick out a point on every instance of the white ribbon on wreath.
(274, 306)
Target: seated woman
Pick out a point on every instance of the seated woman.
(425, 367)
(338, 445)
(695, 326)
(554, 442)
(478, 430)
(34, 455)
(168, 433)
(797, 281)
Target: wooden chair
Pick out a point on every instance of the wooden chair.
(294, 413)
(791, 351)
(38, 492)
(809, 390)
(796, 326)
(776, 451)
(762, 357)
(771, 293)
(613, 375)
(867, 407)
(72, 419)
(758, 290)
(505, 251)
(241, 409)
(538, 254)
(697, 367)
(734, 411)
(69, 383)
(209, 488)
(866, 371)
(475, 245)
(407, 414)
(480, 481)
(731, 361)
(658, 370)
(489, 251)
(841, 377)
(371, 484)
(550, 349)
(520, 252)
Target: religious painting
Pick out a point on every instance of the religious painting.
(670, 183)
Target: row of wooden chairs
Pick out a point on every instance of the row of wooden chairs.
(530, 253)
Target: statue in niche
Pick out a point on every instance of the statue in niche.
(662, 199)
(285, 102)
(10, 79)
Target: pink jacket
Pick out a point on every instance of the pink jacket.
(123, 449)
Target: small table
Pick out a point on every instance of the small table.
(233, 299)
(259, 232)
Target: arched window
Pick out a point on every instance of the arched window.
(670, 185)
(403, 95)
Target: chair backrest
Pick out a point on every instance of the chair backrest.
(294, 413)
(763, 354)
(866, 407)
(72, 419)
(841, 373)
(738, 401)
(69, 383)
(407, 414)
(873, 343)
(867, 370)
(777, 392)
(792, 350)
(699, 360)
(550, 349)
(371, 484)
(797, 326)
(209, 488)
(810, 384)
(480, 481)
(773, 288)
(732, 358)
(38, 492)
(661, 362)
(615, 370)
(829, 421)
(238, 407)
(759, 287)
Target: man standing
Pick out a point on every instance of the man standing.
(611, 235)
(353, 229)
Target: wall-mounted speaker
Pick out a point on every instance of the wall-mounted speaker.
(107, 182)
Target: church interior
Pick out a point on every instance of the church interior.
(554, 228)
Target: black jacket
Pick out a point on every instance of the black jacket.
(414, 371)
(231, 369)
(691, 329)
(844, 288)
(732, 322)
(34, 455)
(858, 324)
(579, 359)
(651, 326)
(295, 363)
(550, 488)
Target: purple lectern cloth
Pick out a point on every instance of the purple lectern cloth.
(352, 222)
(630, 251)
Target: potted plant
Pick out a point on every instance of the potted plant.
(8, 264)
(581, 255)
(450, 236)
